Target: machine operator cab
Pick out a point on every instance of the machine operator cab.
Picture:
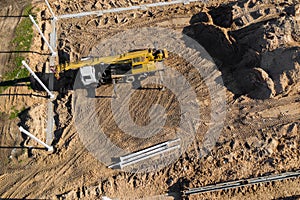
(88, 77)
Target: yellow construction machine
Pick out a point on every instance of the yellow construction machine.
(132, 67)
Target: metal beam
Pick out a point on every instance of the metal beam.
(49, 148)
(144, 154)
(53, 42)
(50, 124)
(149, 155)
(37, 78)
(146, 150)
(116, 10)
(50, 9)
(242, 183)
(41, 33)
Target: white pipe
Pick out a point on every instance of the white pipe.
(37, 78)
(147, 156)
(146, 153)
(39, 30)
(143, 151)
(106, 198)
(52, 13)
(50, 148)
(115, 10)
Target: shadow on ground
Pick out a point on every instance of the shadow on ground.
(239, 53)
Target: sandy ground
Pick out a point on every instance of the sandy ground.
(256, 48)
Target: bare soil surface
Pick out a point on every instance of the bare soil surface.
(255, 45)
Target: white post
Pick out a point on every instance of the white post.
(37, 78)
(50, 148)
(52, 13)
(39, 30)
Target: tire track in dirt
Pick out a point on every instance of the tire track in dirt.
(245, 13)
(251, 115)
(18, 182)
(23, 183)
(64, 165)
(112, 27)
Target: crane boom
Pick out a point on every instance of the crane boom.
(139, 61)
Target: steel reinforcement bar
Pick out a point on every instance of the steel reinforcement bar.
(241, 183)
(147, 153)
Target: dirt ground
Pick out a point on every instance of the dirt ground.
(255, 45)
